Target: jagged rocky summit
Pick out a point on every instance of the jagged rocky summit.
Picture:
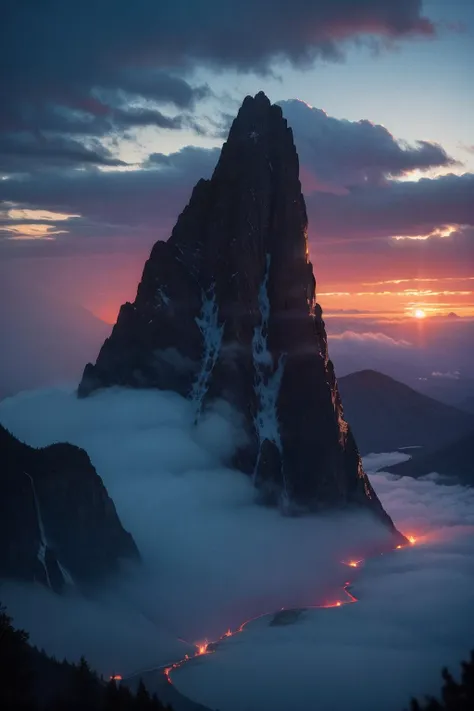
(226, 308)
(58, 525)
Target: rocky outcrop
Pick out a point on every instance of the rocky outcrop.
(227, 309)
(57, 523)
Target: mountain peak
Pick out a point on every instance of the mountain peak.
(226, 309)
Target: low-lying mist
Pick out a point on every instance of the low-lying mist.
(413, 617)
(211, 556)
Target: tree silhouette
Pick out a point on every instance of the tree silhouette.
(25, 672)
(454, 696)
(86, 690)
(16, 678)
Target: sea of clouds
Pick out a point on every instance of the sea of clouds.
(413, 617)
(212, 558)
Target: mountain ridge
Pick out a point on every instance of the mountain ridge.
(58, 525)
(387, 414)
(226, 309)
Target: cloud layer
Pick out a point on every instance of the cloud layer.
(77, 71)
(411, 620)
(211, 556)
(347, 171)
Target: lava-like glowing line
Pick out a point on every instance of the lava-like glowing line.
(206, 647)
(353, 563)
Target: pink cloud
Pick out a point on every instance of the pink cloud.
(370, 337)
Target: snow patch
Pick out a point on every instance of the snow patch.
(208, 324)
(162, 297)
(67, 577)
(267, 377)
(41, 555)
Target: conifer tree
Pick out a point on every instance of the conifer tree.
(142, 698)
(16, 678)
(86, 691)
(454, 696)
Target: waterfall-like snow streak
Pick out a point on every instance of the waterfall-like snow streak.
(267, 377)
(211, 331)
(44, 543)
(41, 555)
(67, 577)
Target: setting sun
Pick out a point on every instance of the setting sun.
(419, 313)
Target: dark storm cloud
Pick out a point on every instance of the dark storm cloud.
(136, 204)
(142, 202)
(23, 152)
(57, 58)
(66, 45)
(398, 208)
(63, 120)
(336, 154)
(146, 117)
(188, 161)
(96, 193)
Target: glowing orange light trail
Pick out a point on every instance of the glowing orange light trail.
(353, 563)
(206, 647)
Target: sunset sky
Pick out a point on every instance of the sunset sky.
(111, 112)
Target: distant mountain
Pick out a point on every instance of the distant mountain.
(452, 391)
(57, 522)
(226, 309)
(386, 414)
(455, 460)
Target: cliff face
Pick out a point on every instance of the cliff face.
(227, 309)
(57, 523)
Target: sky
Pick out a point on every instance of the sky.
(111, 113)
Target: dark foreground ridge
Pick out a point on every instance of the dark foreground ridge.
(32, 681)
(226, 308)
(58, 525)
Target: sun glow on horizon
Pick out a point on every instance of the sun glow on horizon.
(419, 313)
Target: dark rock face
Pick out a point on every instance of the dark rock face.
(227, 309)
(57, 523)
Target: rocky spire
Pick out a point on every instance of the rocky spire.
(226, 308)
